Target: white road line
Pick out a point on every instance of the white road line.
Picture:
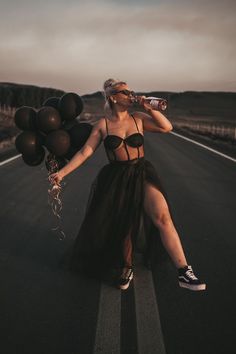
(10, 159)
(107, 340)
(149, 332)
(204, 146)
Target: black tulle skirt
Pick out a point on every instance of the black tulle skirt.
(115, 209)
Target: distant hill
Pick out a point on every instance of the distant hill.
(17, 95)
(185, 109)
(188, 104)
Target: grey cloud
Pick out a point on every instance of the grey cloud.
(171, 44)
(109, 18)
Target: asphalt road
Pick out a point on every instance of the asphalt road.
(45, 310)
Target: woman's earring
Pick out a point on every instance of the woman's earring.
(114, 101)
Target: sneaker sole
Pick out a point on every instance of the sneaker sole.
(124, 287)
(192, 286)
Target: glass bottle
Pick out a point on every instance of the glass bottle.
(156, 103)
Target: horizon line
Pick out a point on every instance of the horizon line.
(99, 91)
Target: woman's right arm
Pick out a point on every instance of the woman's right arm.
(94, 140)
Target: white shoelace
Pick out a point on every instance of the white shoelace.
(126, 273)
(191, 274)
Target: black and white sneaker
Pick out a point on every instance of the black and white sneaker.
(125, 278)
(187, 279)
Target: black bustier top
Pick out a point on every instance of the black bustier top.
(112, 142)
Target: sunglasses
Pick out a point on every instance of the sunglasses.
(126, 92)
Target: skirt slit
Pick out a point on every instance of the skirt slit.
(114, 211)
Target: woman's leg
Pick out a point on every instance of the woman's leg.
(128, 251)
(156, 207)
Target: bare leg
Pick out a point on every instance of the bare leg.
(156, 207)
(172, 244)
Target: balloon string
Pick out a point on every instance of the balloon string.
(54, 192)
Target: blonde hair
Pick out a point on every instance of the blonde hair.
(109, 88)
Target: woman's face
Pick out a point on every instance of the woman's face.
(124, 96)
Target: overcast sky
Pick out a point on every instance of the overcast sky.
(172, 45)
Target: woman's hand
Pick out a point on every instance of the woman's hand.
(143, 103)
(56, 177)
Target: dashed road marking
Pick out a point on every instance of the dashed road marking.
(107, 340)
(149, 332)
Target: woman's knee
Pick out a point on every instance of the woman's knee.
(156, 207)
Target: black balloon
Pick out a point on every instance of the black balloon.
(52, 102)
(28, 143)
(36, 159)
(42, 137)
(58, 142)
(25, 118)
(79, 134)
(70, 106)
(68, 124)
(48, 119)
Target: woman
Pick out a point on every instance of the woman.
(123, 191)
